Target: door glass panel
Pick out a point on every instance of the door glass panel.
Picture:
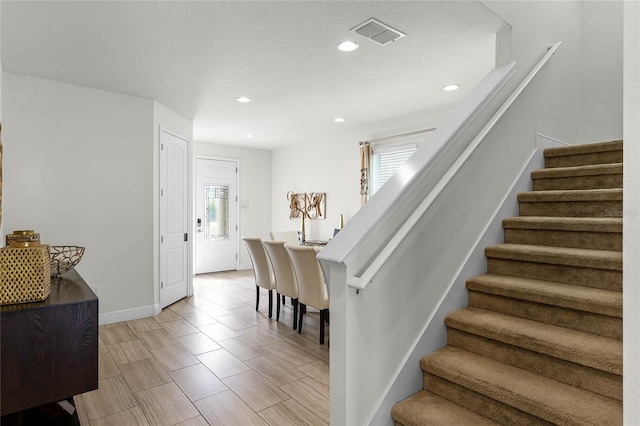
(216, 224)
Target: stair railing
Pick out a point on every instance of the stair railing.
(348, 245)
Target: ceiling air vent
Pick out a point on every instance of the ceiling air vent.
(377, 31)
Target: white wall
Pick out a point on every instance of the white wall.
(1, 74)
(79, 169)
(536, 25)
(254, 191)
(334, 167)
(331, 168)
(601, 55)
(631, 236)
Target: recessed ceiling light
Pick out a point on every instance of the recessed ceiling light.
(348, 46)
(248, 136)
(243, 99)
(338, 120)
(451, 87)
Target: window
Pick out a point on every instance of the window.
(216, 225)
(384, 163)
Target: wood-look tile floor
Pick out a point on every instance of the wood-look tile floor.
(211, 359)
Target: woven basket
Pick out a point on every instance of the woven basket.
(25, 274)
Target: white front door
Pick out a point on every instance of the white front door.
(216, 215)
(173, 218)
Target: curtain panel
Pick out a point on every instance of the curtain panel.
(365, 156)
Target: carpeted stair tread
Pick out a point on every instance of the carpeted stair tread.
(600, 259)
(545, 398)
(575, 224)
(610, 194)
(571, 373)
(600, 233)
(600, 301)
(579, 155)
(589, 170)
(425, 408)
(592, 176)
(591, 148)
(582, 348)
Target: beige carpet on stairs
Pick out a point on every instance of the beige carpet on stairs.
(540, 342)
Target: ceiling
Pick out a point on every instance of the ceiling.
(197, 57)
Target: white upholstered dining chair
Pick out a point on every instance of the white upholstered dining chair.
(261, 269)
(312, 290)
(285, 277)
(289, 237)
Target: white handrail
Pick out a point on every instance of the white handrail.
(361, 282)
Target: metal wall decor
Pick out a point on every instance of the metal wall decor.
(307, 205)
(311, 205)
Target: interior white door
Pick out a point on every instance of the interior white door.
(173, 218)
(216, 215)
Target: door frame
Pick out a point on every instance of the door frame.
(192, 247)
(157, 237)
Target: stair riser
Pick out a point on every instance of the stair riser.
(578, 182)
(478, 403)
(588, 322)
(603, 383)
(608, 157)
(586, 240)
(572, 208)
(588, 277)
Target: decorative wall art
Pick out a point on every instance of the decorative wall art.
(307, 205)
(312, 205)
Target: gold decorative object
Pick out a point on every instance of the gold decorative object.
(64, 258)
(25, 272)
(23, 238)
(307, 205)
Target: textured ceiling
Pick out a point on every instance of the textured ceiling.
(196, 57)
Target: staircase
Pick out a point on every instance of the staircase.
(541, 339)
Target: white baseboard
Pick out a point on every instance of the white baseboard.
(245, 266)
(129, 314)
(544, 141)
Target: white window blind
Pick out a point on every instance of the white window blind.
(385, 162)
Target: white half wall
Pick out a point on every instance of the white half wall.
(78, 169)
(254, 191)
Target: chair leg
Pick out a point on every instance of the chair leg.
(270, 303)
(284, 299)
(323, 313)
(326, 316)
(257, 296)
(277, 307)
(294, 302)
(300, 315)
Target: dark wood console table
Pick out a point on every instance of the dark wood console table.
(49, 349)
